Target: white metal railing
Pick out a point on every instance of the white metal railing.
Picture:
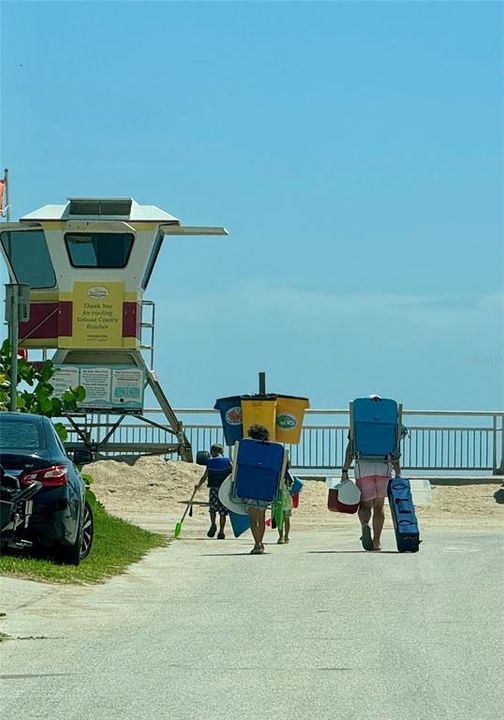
(438, 440)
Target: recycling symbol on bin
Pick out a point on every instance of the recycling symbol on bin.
(234, 416)
(286, 421)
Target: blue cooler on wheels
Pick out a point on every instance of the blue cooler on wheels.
(403, 515)
(231, 418)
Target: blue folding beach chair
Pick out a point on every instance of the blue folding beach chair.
(258, 468)
(375, 428)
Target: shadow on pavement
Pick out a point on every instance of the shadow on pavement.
(365, 552)
(240, 554)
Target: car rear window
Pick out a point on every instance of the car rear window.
(21, 435)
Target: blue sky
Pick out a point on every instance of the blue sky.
(353, 151)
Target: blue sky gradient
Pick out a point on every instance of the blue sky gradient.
(353, 150)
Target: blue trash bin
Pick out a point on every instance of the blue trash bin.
(231, 418)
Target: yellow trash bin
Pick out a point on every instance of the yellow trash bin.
(259, 410)
(289, 418)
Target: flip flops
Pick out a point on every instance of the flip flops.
(366, 539)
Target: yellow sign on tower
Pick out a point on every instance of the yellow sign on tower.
(97, 314)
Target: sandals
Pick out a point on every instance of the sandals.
(280, 541)
(221, 536)
(366, 539)
(212, 531)
(257, 550)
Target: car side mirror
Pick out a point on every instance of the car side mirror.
(82, 456)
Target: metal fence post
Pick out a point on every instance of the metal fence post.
(494, 444)
(500, 469)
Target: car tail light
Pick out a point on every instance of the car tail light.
(54, 476)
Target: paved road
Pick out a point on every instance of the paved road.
(316, 629)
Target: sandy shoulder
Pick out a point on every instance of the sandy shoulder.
(153, 485)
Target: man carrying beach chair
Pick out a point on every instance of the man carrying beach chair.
(375, 434)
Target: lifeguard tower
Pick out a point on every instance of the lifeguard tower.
(88, 263)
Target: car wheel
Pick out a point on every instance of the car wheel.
(87, 532)
(73, 554)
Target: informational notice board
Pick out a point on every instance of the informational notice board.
(113, 389)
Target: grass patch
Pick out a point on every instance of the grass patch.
(117, 544)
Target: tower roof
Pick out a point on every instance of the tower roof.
(102, 209)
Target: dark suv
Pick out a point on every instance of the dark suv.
(61, 519)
